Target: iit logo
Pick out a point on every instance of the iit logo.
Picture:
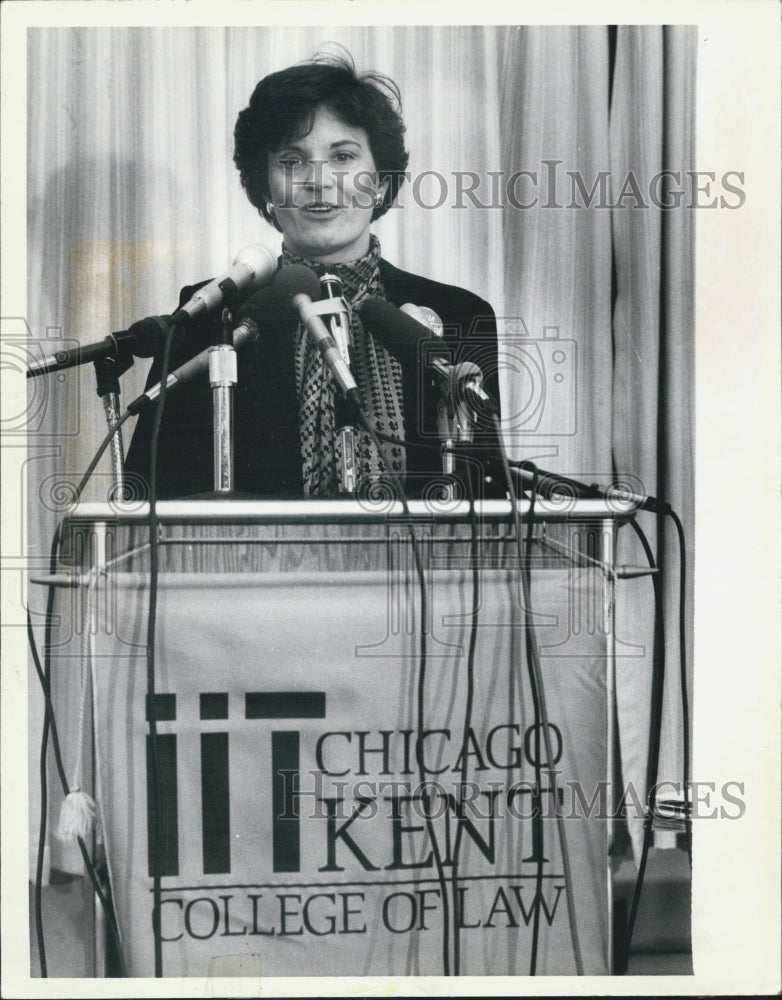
(263, 706)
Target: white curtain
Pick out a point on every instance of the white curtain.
(614, 282)
(653, 373)
(132, 193)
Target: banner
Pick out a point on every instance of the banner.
(323, 808)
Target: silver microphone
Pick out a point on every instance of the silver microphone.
(339, 319)
(253, 267)
(246, 331)
(339, 324)
(301, 286)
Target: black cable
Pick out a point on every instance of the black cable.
(529, 641)
(98, 454)
(470, 694)
(529, 624)
(397, 483)
(48, 720)
(655, 727)
(683, 681)
(50, 723)
(38, 901)
(106, 904)
(47, 651)
(150, 653)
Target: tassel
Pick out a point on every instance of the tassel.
(76, 816)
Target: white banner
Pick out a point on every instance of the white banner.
(317, 816)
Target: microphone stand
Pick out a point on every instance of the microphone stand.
(346, 446)
(455, 418)
(223, 378)
(107, 372)
(334, 306)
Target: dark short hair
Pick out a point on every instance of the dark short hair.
(282, 109)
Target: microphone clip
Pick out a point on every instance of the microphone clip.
(336, 310)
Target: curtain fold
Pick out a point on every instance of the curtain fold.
(558, 250)
(132, 193)
(653, 375)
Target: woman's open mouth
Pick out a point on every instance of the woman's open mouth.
(320, 209)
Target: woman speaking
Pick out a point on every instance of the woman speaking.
(320, 152)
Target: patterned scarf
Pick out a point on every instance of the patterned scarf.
(377, 374)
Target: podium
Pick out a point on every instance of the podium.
(332, 799)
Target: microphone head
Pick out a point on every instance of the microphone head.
(429, 318)
(260, 261)
(147, 336)
(297, 280)
(399, 333)
(264, 309)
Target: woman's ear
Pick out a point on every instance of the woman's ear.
(381, 191)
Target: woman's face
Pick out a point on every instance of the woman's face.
(323, 188)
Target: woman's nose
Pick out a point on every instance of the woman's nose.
(316, 174)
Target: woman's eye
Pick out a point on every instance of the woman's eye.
(343, 157)
(289, 162)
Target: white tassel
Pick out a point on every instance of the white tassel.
(76, 816)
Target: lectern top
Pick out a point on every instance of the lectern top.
(347, 511)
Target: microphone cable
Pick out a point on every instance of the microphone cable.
(150, 651)
(469, 698)
(151, 624)
(658, 667)
(153, 759)
(683, 682)
(655, 731)
(43, 676)
(531, 650)
(50, 726)
(536, 675)
(683, 679)
(420, 692)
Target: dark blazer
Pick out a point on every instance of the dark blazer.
(267, 446)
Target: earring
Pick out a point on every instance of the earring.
(378, 200)
(270, 207)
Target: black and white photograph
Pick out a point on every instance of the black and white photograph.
(376, 402)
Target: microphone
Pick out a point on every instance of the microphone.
(404, 336)
(426, 316)
(143, 339)
(251, 315)
(300, 285)
(336, 309)
(253, 267)
(553, 486)
(339, 318)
